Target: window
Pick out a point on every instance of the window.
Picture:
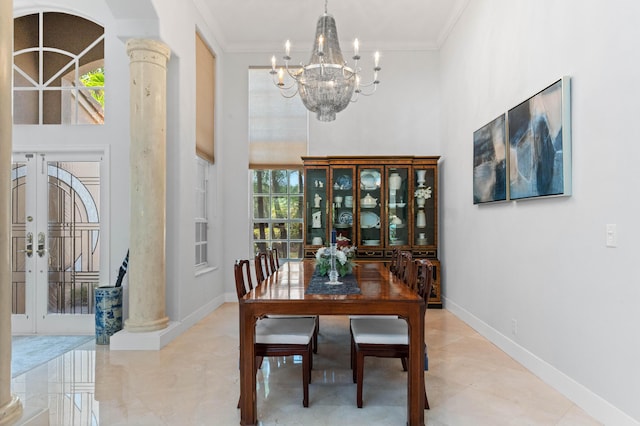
(277, 211)
(58, 70)
(201, 213)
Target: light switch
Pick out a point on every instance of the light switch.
(612, 235)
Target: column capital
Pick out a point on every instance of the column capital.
(148, 50)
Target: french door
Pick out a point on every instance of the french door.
(55, 241)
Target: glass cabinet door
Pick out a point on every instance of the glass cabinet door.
(371, 206)
(316, 199)
(343, 204)
(424, 209)
(398, 218)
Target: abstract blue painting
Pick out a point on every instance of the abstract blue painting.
(540, 144)
(490, 162)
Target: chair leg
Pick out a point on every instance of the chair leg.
(360, 378)
(426, 401)
(315, 335)
(404, 364)
(306, 378)
(310, 355)
(353, 361)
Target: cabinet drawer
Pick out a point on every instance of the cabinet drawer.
(309, 252)
(424, 253)
(369, 253)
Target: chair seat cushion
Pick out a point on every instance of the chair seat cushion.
(297, 331)
(373, 316)
(380, 331)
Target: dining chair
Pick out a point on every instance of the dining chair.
(266, 263)
(263, 266)
(274, 260)
(278, 336)
(395, 256)
(405, 259)
(387, 338)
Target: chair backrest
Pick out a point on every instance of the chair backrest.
(395, 259)
(423, 278)
(263, 266)
(244, 280)
(404, 265)
(274, 260)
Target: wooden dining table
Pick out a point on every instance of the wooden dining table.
(381, 293)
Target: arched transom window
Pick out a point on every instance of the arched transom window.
(58, 70)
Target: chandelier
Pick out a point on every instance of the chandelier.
(326, 84)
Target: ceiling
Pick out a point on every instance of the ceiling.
(264, 25)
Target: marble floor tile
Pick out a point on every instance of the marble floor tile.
(195, 381)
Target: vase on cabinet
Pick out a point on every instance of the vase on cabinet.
(421, 218)
(420, 201)
(421, 177)
(395, 181)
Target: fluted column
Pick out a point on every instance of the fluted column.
(148, 92)
(10, 406)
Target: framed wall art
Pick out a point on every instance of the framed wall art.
(539, 132)
(490, 162)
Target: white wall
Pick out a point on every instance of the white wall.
(544, 262)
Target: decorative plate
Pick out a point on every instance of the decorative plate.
(370, 179)
(369, 220)
(344, 182)
(345, 218)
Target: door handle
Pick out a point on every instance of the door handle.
(29, 249)
(41, 240)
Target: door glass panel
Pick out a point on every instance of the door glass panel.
(18, 232)
(74, 231)
(397, 196)
(370, 199)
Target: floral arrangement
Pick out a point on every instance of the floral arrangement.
(344, 260)
(423, 193)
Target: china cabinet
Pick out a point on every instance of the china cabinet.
(377, 203)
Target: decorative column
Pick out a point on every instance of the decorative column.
(148, 91)
(10, 406)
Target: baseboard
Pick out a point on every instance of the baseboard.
(125, 340)
(594, 405)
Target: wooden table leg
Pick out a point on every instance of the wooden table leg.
(415, 376)
(248, 407)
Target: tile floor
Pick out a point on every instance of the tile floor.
(194, 381)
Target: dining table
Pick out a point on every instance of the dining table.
(294, 289)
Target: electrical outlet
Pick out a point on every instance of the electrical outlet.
(514, 326)
(612, 235)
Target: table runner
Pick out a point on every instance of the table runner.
(318, 285)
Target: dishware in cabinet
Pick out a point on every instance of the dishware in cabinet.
(398, 209)
(316, 199)
(371, 208)
(343, 203)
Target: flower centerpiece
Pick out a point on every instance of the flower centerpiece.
(422, 194)
(344, 260)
